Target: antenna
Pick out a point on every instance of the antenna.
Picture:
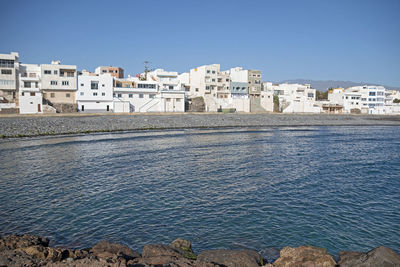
(146, 68)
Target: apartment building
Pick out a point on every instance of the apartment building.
(116, 72)
(95, 93)
(30, 94)
(133, 95)
(251, 77)
(203, 80)
(294, 98)
(172, 91)
(365, 99)
(59, 85)
(9, 67)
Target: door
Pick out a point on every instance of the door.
(108, 108)
(83, 108)
(38, 108)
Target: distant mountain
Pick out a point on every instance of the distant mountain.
(325, 85)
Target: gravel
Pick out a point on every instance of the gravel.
(22, 126)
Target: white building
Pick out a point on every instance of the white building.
(365, 99)
(157, 91)
(95, 93)
(294, 98)
(9, 67)
(30, 95)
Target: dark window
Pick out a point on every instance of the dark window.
(8, 72)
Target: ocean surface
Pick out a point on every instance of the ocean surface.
(259, 188)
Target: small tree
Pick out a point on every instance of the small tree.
(396, 100)
(276, 103)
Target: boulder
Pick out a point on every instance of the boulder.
(184, 247)
(230, 258)
(105, 249)
(161, 255)
(380, 256)
(181, 244)
(304, 256)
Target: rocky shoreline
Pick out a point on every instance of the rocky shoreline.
(29, 250)
(25, 126)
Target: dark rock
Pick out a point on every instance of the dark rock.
(230, 258)
(184, 247)
(16, 258)
(270, 254)
(22, 241)
(181, 244)
(105, 249)
(380, 256)
(304, 256)
(164, 255)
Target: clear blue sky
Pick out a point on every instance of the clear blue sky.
(356, 40)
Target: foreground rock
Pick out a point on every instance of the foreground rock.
(380, 256)
(304, 256)
(27, 250)
(230, 258)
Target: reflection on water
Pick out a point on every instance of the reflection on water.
(334, 187)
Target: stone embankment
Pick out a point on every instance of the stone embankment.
(27, 250)
(21, 126)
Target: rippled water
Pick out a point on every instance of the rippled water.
(334, 187)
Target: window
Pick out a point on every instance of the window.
(170, 87)
(52, 95)
(372, 93)
(207, 87)
(56, 72)
(104, 71)
(82, 84)
(197, 89)
(65, 82)
(53, 82)
(152, 95)
(151, 86)
(141, 96)
(178, 100)
(119, 95)
(213, 72)
(8, 72)
(95, 94)
(82, 93)
(6, 63)
(168, 99)
(27, 84)
(208, 71)
(61, 73)
(23, 94)
(213, 80)
(67, 95)
(70, 74)
(47, 72)
(130, 95)
(94, 85)
(310, 95)
(32, 94)
(103, 85)
(103, 94)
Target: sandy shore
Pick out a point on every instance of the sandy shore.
(22, 126)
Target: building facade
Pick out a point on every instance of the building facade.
(9, 67)
(30, 94)
(116, 72)
(95, 93)
(59, 85)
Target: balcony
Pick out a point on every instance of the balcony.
(29, 77)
